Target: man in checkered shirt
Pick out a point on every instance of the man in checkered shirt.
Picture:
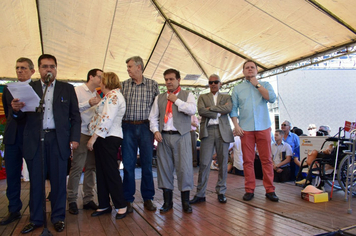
(139, 93)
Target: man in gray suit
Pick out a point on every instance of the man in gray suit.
(215, 132)
(170, 123)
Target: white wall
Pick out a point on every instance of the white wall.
(322, 97)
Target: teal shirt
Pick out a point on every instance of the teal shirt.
(250, 107)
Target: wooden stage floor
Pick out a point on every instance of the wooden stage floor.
(290, 216)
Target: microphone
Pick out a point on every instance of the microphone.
(48, 78)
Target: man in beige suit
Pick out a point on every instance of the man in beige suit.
(215, 132)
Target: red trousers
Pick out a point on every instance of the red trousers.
(263, 141)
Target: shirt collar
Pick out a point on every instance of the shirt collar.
(26, 81)
(282, 143)
(143, 81)
(52, 84)
(216, 94)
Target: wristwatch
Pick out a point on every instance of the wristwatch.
(258, 85)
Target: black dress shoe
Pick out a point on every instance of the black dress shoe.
(29, 228)
(73, 208)
(59, 226)
(90, 205)
(99, 213)
(197, 200)
(129, 207)
(166, 207)
(12, 216)
(248, 196)
(272, 196)
(120, 216)
(148, 204)
(222, 198)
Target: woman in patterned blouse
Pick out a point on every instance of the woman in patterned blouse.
(106, 139)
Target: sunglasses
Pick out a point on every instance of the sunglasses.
(214, 82)
(284, 125)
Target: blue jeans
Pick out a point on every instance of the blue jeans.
(137, 136)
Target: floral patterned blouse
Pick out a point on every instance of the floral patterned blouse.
(108, 115)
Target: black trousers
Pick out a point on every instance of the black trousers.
(55, 168)
(283, 176)
(108, 177)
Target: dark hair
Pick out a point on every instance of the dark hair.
(29, 62)
(322, 133)
(243, 67)
(92, 72)
(281, 132)
(138, 61)
(46, 56)
(174, 71)
(298, 131)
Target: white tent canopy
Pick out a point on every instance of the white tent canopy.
(198, 37)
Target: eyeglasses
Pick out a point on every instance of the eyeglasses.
(48, 66)
(284, 125)
(214, 82)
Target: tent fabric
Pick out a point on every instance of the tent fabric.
(198, 38)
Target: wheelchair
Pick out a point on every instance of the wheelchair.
(317, 174)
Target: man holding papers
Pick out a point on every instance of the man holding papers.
(13, 141)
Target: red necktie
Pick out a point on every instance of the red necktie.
(169, 106)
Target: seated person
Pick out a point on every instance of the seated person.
(324, 153)
(281, 157)
(230, 161)
(324, 130)
(214, 163)
(329, 151)
(236, 164)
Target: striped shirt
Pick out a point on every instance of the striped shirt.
(139, 98)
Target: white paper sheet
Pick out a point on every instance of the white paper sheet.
(26, 94)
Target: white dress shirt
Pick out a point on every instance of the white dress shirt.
(48, 119)
(86, 111)
(189, 107)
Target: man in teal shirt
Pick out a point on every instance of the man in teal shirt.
(252, 123)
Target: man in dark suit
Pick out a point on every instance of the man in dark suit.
(61, 126)
(13, 142)
(215, 132)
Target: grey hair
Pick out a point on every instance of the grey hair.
(138, 61)
(290, 124)
(214, 75)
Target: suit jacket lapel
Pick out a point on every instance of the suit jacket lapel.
(219, 98)
(211, 98)
(37, 86)
(57, 91)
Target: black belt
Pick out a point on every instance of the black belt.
(170, 132)
(213, 126)
(135, 122)
(49, 130)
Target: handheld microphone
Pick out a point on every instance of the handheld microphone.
(48, 78)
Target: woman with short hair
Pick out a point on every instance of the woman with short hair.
(106, 139)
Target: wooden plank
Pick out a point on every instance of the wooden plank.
(292, 215)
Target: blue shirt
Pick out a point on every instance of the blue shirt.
(250, 107)
(293, 141)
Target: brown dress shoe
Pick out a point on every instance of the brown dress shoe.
(129, 207)
(148, 204)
